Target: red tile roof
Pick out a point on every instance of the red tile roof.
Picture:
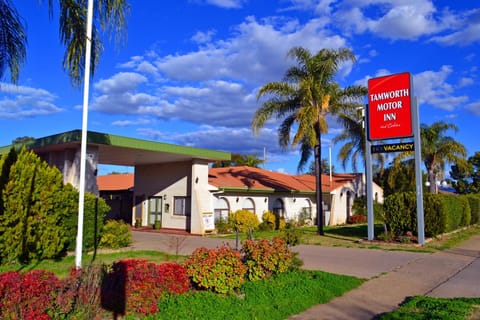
(256, 178)
(247, 178)
(115, 182)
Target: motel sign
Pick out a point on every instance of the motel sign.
(389, 110)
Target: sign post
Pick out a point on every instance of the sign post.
(392, 115)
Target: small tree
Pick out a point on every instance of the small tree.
(31, 226)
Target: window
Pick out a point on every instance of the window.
(249, 205)
(181, 206)
(278, 208)
(221, 209)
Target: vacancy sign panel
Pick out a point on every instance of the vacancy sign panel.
(389, 111)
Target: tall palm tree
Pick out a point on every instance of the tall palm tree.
(438, 148)
(354, 138)
(303, 100)
(110, 16)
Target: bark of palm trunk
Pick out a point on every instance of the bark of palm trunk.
(433, 183)
(318, 180)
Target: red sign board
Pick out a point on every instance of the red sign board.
(389, 111)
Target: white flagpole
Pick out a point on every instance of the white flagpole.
(83, 150)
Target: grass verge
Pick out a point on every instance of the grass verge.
(276, 298)
(61, 268)
(420, 307)
(353, 236)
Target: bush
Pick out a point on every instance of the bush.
(95, 210)
(264, 258)
(272, 221)
(458, 212)
(220, 270)
(243, 220)
(28, 296)
(474, 202)
(291, 235)
(32, 221)
(134, 286)
(116, 234)
(356, 219)
(222, 226)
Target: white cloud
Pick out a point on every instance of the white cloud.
(17, 102)
(126, 123)
(474, 108)
(467, 30)
(431, 87)
(227, 3)
(203, 37)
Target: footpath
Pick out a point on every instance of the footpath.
(392, 276)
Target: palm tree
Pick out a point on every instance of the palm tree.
(354, 138)
(303, 99)
(110, 15)
(437, 149)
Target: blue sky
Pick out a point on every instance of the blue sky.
(189, 70)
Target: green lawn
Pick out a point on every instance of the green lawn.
(62, 267)
(277, 298)
(420, 307)
(354, 236)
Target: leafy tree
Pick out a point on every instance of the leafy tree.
(251, 160)
(324, 165)
(109, 15)
(31, 224)
(467, 176)
(399, 177)
(303, 100)
(23, 140)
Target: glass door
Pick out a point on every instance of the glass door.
(154, 210)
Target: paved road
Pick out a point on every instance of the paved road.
(393, 275)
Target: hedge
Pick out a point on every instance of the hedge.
(442, 213)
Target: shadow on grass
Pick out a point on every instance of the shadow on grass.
(354, 231)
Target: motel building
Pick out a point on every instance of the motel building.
(174, 186)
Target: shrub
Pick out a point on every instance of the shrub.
(135, 285)
(458, 210)
(222, 226)
(272, 221)
(220, 270)
(116, 234)
(355, 219)
(291, 235)
(32, 223)
(95, 209)
(474, 201)
(243, 220)
(29, 296)
(264, 258)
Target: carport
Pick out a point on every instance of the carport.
(171, 181)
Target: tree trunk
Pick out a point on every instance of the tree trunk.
(318, 180)
(433, 181)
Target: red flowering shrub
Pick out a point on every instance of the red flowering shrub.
(28, 296)
(356, 219)
(264, 258)
(220, 270)
(135, 285)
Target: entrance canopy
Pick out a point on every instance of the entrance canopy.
(119, 150)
